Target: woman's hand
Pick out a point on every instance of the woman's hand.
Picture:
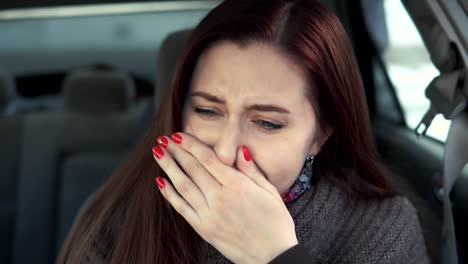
(237, 211)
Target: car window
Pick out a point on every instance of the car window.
(74, 38)
(410, 68)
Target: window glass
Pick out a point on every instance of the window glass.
(129, 41)
(410, 68)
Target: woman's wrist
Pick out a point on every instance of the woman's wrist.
(281, 249)
(294, 255)
(270, 254)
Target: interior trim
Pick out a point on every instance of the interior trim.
(104, 9)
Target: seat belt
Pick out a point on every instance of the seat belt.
(443, 28)
(447, 94)
(455, 158)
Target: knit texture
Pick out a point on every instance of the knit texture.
(335, 230)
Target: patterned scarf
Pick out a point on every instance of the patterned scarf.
(301, 184)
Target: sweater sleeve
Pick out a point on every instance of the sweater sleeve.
(295, 255)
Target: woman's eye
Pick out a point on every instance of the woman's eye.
(268, 125)
(205, 112)
(263, 124)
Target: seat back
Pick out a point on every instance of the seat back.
(67, 155)
(11, 129)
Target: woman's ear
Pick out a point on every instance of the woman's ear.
(324, 135)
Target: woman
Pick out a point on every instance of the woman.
(264, 154)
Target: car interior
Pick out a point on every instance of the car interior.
(80, 82)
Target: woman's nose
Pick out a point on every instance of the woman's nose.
(226, 146)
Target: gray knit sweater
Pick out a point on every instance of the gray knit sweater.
(331, 229)
(334, 230)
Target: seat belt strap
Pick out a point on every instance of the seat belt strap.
(455, 159)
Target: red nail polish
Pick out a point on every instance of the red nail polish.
(162, 141)
(160, 182)
(158, 152)
(246, 153)
(176, 138)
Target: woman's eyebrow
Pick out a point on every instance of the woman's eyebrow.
(269, 108)
(255, 107)
(208, 97)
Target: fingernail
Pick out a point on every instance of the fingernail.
(176, 138)
(160, 182)
(246, 153)
(158, 152)
(162, 141)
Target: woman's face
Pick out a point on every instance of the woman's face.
(253, 96)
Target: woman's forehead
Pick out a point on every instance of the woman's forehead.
(256, 70)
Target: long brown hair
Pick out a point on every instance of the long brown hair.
(128, 220)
